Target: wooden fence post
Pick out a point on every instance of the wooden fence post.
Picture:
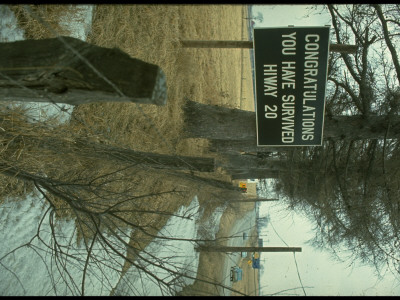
(68, 70)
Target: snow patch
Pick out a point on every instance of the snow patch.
(167, 256)
(9, 30)
(29, 267)
(209, 228)
(78, 23)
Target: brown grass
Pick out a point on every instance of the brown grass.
(152, 33)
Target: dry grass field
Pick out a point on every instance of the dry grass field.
(152, 33)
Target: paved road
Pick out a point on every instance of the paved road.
(243, 225)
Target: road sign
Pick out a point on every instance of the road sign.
(290, 72)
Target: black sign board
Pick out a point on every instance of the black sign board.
(290, 74)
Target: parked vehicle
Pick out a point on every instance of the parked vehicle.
(255, 263)
(243, 187)
(236, 274)
(255, 260)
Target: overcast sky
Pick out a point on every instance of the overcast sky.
(316, 269)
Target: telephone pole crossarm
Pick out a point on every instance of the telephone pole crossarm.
(208, 248)
(341, 48)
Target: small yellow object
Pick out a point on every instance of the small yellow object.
(249, 262)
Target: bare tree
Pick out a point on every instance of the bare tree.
(98, 188)
(352, 194)
(114, 224)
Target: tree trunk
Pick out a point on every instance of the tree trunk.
(68, 70)
(246, 162)
(237, 146)
(253, 174)
(84, 148)
(342, 48)
(215, 183)
(221, 123)
(216, 122)
(251, 167)
(362, 128)
(155, 160)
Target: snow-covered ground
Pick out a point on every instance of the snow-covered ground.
(32, 270)
(168, 256)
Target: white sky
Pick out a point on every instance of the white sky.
(317, 270)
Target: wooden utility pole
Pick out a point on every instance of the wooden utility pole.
(254, 200)
(341, 48)
(207, 248)
(68, 70)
